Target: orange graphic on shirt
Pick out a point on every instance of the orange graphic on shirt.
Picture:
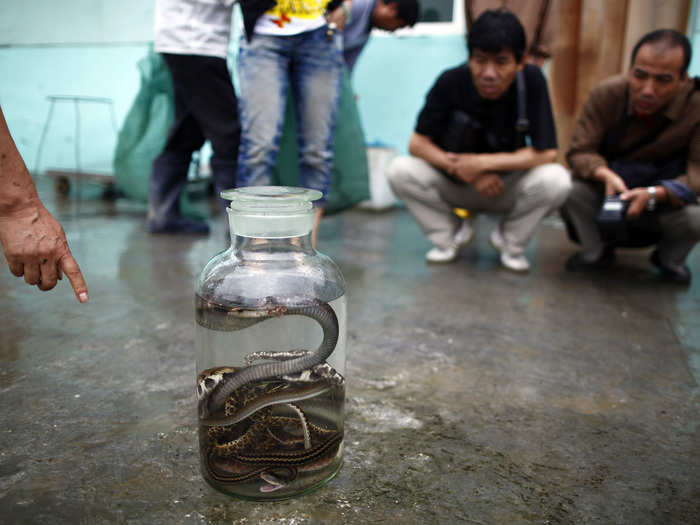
(284, 19)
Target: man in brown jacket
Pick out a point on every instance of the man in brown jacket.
(638, 137)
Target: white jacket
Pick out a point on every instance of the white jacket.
(193, 27)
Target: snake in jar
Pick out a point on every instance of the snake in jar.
(243, 433)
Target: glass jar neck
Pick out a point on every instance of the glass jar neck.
(270, 226)
(265, 236)
(265, 248)
(278, 218)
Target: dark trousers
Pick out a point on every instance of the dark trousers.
(206, 108)
(680, 227)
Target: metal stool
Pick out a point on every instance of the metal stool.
(62, 177)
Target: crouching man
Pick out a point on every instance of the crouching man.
(638, 137)
(484, 141)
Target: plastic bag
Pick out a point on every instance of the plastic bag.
(350, 183)
(145, 129)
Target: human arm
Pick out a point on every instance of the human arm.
(639, 198)
(468, 166)
(33, 242)
(356, 31)
(340, 15)
(423, 147)
(489, 184)
(674, 192)
(482, 169)
(600, 114)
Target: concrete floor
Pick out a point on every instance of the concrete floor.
(474, 395)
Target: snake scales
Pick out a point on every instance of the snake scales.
(251, 421)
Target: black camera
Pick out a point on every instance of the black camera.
(612, 219)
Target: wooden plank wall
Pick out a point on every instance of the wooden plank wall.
(594, 40)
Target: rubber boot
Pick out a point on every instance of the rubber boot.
(167, 182)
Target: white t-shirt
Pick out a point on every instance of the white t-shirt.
(291, 17)
(193, 27)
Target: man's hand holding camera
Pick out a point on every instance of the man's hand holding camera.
(613, 182)
(638, 199)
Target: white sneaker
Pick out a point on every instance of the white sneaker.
(513, 262)
(464, 235)
(442, 255)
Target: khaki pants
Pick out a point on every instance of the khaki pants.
(680, 227)
(431, 196)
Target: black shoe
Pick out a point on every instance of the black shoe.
(576, 263)
(179, 225)
(677, 274)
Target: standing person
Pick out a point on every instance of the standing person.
(639, 136)
(503, 161)
(193, 37)
(33, 242)
(388, 15)
(298, 45)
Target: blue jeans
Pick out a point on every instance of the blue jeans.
(268, 65)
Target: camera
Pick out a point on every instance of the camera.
(612, 220)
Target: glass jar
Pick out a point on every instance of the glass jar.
(271, 331)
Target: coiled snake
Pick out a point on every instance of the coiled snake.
(251, 424)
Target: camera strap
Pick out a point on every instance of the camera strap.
(522, 124)
(461, 126)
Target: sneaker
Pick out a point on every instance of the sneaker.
(179, 225)
(577, 263)
(464, 235)
(516, 262)
(442, 255)
(672, 272)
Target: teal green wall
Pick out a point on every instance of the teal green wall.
(71, 47)
(44, 22)
(391, 80)
(92, 48)
(392, 77)
(31, 73)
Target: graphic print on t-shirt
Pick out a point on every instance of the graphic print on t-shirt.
(309, 9)
(289, 17)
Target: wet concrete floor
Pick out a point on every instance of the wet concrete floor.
(474, 395)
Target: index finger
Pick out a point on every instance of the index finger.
(70, 267)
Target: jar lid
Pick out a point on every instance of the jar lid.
(271, 198)
(271, 211)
